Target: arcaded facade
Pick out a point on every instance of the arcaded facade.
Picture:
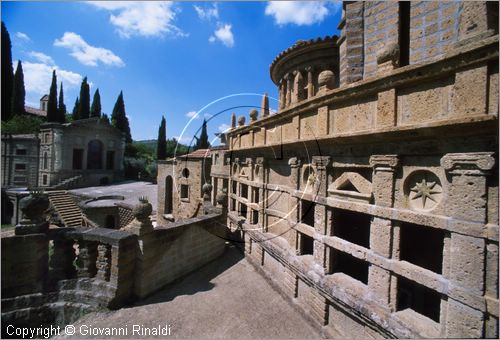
(87, 151)
(371, 198)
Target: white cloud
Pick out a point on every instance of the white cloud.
(41, 57)
(300, 12)
(22, 36)
(224, 34)
(207, 115)
(137, 18)
(185, 140)
(85, 53)
(224, 127)
(192, 114)
(207, 13)
(38, 76)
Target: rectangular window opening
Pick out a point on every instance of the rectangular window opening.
(341, 262)
(429, 256)
(243, 210)
(20, 166)
(306, 244)
(184, 191)
(352, 226)
(77, 159)
(44, 179)
(307, 213)
(21, 152)
(421, 299)
(255, 217)
(235, 185)
(255, 195)
(244, 191)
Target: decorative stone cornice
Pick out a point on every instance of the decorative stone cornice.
(384, 162)
(473, 163)
(320, 162)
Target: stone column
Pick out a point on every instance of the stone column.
(466, 200)
(320, 164)
(103, 262)
(293, 203)
(282, 95)
(259, 162)
(384, 167)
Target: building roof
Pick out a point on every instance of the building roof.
(19, 136)
(45, 97)
(200, 153)
(36, 112)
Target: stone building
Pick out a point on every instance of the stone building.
(180, 182)
(371, 198)
(87, 150)
(20, 160)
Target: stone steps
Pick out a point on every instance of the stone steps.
(66, 208)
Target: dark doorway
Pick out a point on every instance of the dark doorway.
(168, 195)
(77, 159)
(110, 160)
(94, 155)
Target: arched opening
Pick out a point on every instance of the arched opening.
(185, 173)
(168, 195)
(110, 222)
(94, 154)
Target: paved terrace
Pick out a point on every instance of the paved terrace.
(130, 190)
(225, 299)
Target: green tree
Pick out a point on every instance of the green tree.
(95, 110)
(74, 113)
(7, 74)
(202, 142)
(84, 107)
(161, 150)
(105, 118)
(52, 113)
(18, 92)
(119, 118)
(62, 107)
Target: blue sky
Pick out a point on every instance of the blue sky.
(170, 59)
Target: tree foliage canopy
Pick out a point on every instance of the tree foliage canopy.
(18, 91)
(161, 150)
(7, 74)
(119, 118)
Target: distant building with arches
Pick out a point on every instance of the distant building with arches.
(85, 152)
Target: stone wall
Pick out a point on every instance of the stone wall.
(168, 253)
(20, 160)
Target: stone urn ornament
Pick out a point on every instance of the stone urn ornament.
(221, 197)
(207, 189)
(34, 208)
(141, 225)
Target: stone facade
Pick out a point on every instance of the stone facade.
(372, 203)
(20, 160)
(180, 182)
(87, 149)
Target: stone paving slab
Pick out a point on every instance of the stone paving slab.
(225, 299)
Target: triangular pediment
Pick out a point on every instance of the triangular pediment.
(351, 181)
(243, 173)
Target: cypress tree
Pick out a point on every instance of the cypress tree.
(52, 113)
(62, 106)
(75, 109)
(84, 107)
(105, 118)
(202, 142)
(7, 75)
(18, 92)
(95, 110)
(119, 118)
(161, 150)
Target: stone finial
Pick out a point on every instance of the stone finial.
(33, 208)
(141, 225)
(221, 197)
(233, 120)
(241, 120)
(206, 189)
(326, 80)
(253, 115)
(388, 58)
(264, 108)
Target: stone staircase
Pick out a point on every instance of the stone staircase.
(65, 206)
